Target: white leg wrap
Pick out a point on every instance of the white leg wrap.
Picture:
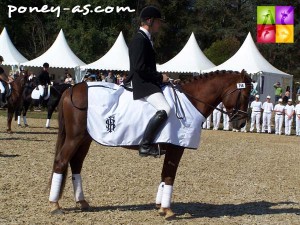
(77, 186)
(55, 187)
(166, 197)
(24, 120)
(48, 123)
(159, 193)
(19, 120)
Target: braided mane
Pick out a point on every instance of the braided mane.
(210, 74)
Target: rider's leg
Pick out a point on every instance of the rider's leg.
(155, 124)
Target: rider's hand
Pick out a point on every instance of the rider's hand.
(165, 78)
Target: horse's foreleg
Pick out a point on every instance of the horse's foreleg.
(49, 115)
(25, 109)
(165, 189)
(76, 166)
(10, 114)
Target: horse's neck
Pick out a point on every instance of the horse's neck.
(205, 94)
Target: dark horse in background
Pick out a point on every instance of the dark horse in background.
(51, 103)
(205, 92)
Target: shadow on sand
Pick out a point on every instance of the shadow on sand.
(200, 210)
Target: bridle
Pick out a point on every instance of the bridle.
(235, 114)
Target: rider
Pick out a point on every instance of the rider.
(43, 81)
(4, 81)
(145, 79)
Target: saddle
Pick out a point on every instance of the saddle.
(115, 119)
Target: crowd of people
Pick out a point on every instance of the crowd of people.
(108, 76)
(264, 114)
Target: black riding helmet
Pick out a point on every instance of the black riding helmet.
(150, 12)
(1, 59)
(46, 65)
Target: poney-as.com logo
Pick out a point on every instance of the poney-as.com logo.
(275, 24)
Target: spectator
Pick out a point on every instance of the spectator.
(217, 116)
(289, 113)
(206, 124)
(297, 112)
(278, 91)
(279, 111)
(225, 120)
(110, 78)
(286, 97)
(256, 107)
(267, 114)
(69, 79)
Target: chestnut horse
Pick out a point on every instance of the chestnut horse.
(14, 101)
(73, 142)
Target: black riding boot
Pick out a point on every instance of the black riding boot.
(3, 100)
(156, 122)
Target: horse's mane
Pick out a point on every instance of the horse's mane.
(212, 74)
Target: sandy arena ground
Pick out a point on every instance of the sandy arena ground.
(233, 178)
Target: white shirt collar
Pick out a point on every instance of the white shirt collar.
(146, 32)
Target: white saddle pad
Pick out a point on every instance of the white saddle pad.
(36, 93)
(115, 119)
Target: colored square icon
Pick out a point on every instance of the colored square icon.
(284, 15)
(284, 34)
(266, 15)
(266, 33)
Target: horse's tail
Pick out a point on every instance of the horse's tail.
(59, 143)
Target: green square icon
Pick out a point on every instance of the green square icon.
(266, 15)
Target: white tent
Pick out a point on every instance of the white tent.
(189, 60)
(117, 58)
(249, 58)
(59, 55)
(10, 54)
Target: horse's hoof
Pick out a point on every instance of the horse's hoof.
(57, 212)
(83, 205)
(19, 125)
(47, 127)
(158, 206)
(167, 213)
(9, 131)
(26, 125)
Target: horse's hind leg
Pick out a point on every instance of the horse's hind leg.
(60, 168)
(76, 166)
(165, 189)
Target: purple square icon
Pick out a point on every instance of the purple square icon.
(284, 15)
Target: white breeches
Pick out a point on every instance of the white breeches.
(278, 123)
(225, 121)
(206, 124)
(255, 118)
(288, 125)
(297, 125)
(158, 101)
(267, 121)
(41, 89)
(2, 88)
(216, 119)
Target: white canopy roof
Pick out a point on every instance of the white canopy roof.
(117, 58)
(59, 55)
(189, 60)
(8, 51)
(249, 58)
